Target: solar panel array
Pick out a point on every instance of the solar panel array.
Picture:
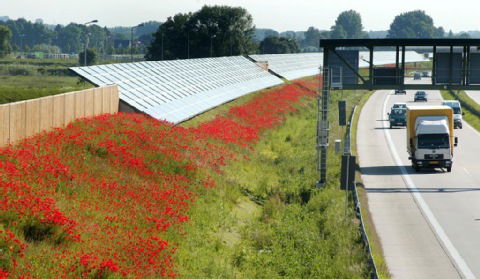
(180, 89)
(292, 66)
(389, 57)
(297, 65)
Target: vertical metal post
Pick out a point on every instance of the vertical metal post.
(85, 52)
(467, 66)
(162, 47)
(434, 66)
(464, 68)
(188, 45)
(322, 124)
(403, 65)
(397, 58)
(370, 69)
(450, 66)
(131, 44)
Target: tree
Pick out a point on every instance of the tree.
(275, 45)
(26, 33)
(348, 26)
(439, 32)
(414, 24)
(338, 32)
(5, 35)
(91, 57)
(211, 31)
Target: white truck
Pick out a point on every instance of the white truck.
(430, 139)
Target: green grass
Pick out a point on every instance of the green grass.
(23, 79)
(266, 219)
(374, 240)
(18, 88)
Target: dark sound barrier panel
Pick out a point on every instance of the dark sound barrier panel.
(474, 68)
(387, 76)
(442, 68)
(340, 72)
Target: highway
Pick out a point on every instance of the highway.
(428, 222)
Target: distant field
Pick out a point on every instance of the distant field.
(23, 79)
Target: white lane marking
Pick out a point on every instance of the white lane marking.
(452, 252)
(466, 171)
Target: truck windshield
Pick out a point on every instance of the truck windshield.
(433, 141)
(456, 110)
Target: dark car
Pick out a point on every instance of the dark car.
(397, 117)
(417, 76)
(420, 96)
(400, 91)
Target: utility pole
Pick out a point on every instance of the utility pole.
(162, 47)
(131, 39)
(211, 44)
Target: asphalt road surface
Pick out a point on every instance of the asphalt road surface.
(475, 95)
(428, 222)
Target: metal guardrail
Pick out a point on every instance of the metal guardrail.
(358, 212)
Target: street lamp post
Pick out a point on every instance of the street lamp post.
(211, 45)
(162, 47)
(131, 39)
(86, 42)
(188, 45)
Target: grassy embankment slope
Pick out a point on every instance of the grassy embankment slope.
(266, 218)
(233, 197)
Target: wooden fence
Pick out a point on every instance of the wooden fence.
(24, 119)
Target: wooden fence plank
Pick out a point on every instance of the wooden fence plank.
(89, 106)
(79, 104)
(58, 111)
(98, 101)
(115, 99)
(17, 121)
(106, 100)
(46, 114)
(32, 118)
(69, 108)
(5, 125)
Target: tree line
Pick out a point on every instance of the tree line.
(35, 36)
(210, 32)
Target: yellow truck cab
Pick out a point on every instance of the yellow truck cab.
(430, 138)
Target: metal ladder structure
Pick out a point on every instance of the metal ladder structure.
(323, 127)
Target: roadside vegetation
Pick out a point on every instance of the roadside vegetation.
(267, 219)
(233, 197)
(23, 79)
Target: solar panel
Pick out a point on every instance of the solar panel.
(298, 65)
(178, 90)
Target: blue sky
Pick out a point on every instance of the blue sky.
(281, 15)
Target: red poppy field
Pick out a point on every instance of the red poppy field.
(110, 196)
